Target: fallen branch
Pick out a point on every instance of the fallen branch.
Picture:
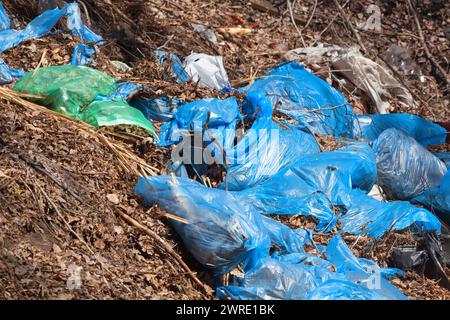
(166, 247)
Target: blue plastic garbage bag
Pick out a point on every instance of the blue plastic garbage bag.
(82, 55)
(219, 232)
(8, 74)
(160, 109)
(302, 276)
(424, 131)
(220, 117)
(122, 92)
(437, 199)
(5, 22)
(364, 214)
(405, 167)
(445, 157)
(263, 152)
(307, 99)
(173, 65)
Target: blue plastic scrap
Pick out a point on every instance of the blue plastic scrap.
(172, 63)
(123, 91)
(445, 157)
(8, 74)
(5, 22)
(424, 131)
(43, 25)
(315, 105)
(263, 152)
(160, 109)
(405, 167)
(219, 116)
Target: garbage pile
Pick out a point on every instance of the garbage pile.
(238, 161)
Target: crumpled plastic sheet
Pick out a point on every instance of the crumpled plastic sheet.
(308, 277)
(318, 184)
(5, 22)
(220, 116)
(123, 91)
(405, 167)
(216, 228)
(263, 152)
(8, 74)
(437, 199)
(207, 70)
(44, 23)
(311, 102)
(82, 55)
(160, 109)
(445, 157)
(424, 131)
(173, 66)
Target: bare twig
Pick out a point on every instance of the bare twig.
(425, 46)
(166, 247)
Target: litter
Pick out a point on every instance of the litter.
(43, 24)
(73, 91)
(207, 70)
(405, 168)
(312, 103)
(424, 131)
(4, 19)
(205, 32)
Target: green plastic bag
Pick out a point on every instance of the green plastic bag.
(68, 88)
(112, 113)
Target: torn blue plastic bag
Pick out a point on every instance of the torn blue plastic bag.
(305, 277)
(123, 91)
(5, 22)
(424, 131)
(405, 167)
(445, 157)
(173, 66)
(319, 184)
(220, 117)
(290, 89)
(220, 231)
(263, 152)
(43, 25)
(160, 109)
(8, 74)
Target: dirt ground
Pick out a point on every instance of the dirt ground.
(60, 189)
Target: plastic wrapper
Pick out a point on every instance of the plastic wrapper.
(161, 109)
(437, 199)
(405, 168)
(5, 22)
(173, 66)
(207, 70)
(263, 152)
(8, 74)
(68, 88)
(424, 131)
(113, 113)
(311, 102)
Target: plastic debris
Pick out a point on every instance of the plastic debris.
(113, 113)
(5, 22)
(205, 32)
(160, 109)
(308, 100)
(424, 131)
(69, 89)
(8, 74)
(44, 23)
(207, 70)
(271, 149)
(172, 65)
(405, 168)
(401, 58)
(445, 157)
